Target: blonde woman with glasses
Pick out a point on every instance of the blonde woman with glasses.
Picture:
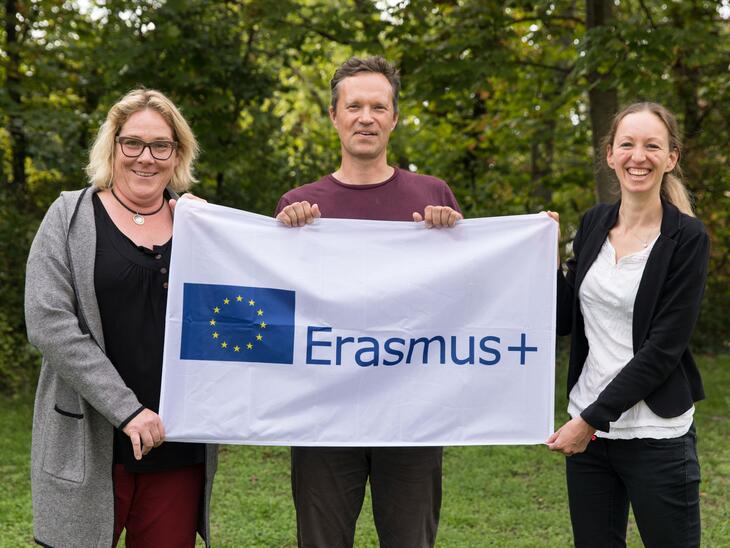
(96, 292)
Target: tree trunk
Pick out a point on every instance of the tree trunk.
(18, 143)
(603, 104)
(541, 165)
(687, 83)
(219, 178)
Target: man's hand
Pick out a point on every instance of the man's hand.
(571, 438)
(438, 216)
(145, 431)
(299, 214)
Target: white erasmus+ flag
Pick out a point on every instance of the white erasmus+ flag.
(359, 333)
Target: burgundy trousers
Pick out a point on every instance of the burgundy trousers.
(158, 509)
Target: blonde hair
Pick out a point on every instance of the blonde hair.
(100, 169)
(673, 189)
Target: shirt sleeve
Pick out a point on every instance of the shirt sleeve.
(449, 199)
(283, 202)
(566, 286)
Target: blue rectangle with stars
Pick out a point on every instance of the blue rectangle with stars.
(237, 323)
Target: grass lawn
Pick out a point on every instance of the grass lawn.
(493, 496)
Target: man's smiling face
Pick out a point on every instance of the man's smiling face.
(364, 116)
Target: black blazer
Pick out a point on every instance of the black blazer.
(662, 371)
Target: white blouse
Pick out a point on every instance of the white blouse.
(607, 297)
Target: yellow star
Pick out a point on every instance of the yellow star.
(224, 344)
(236, 348)
(226, 300)
(251, 302)
(212, 322)
(260, 312)
(215, 334)
(263, 325)
(249, 346)
(259, 337)
(239, 298)
(216, 310)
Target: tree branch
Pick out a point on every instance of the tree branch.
(308, 27)
(568, 18)
(646, 11)
(562, 70)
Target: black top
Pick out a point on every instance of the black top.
(662, 371)
(131, 290)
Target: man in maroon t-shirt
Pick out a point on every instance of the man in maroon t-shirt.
(328, 483)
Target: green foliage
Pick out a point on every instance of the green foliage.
(18, 360)
(495, 100)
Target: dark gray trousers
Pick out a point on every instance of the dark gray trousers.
(328, 485)
(659, 478)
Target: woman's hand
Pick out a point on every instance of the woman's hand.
(299, 214)
(186, 196)
(555, 216)
(571, 438)
(145, 431)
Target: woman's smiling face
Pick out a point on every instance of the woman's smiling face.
(143, 179)
(641, 153)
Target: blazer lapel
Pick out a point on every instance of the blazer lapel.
(593, 241)
(655, 272)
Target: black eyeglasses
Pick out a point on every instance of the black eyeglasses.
(133, 147)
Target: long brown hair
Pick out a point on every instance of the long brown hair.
(673, 189)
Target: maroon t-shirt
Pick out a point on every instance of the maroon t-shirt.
(392, 200)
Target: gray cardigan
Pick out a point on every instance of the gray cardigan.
(80, 397)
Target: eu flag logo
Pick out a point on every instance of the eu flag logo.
(237, 323)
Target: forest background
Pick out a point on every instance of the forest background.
(507, 101)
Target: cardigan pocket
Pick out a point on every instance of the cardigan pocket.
(64, 444)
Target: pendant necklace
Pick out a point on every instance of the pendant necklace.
(138, 217)
(644, 242)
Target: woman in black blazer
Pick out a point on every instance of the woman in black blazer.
(630, 300)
